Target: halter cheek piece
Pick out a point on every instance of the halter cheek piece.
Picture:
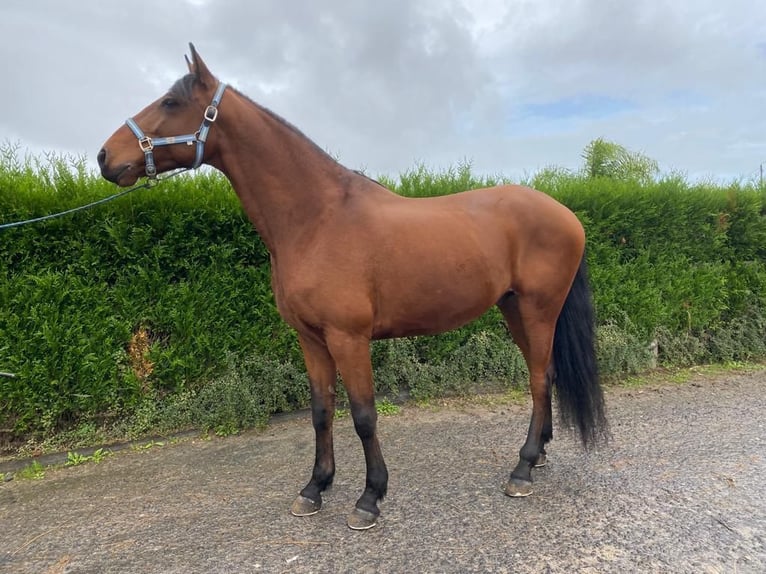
(148, 144)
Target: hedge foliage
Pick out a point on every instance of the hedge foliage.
(153, 311)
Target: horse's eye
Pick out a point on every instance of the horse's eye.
(169, 103)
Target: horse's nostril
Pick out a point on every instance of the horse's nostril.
(101, 157)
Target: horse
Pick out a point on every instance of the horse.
(352, 262)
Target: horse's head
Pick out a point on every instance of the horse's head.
(169, 133)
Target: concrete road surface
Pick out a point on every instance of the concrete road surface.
(681, 488)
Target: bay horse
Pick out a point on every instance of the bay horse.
(352, 261)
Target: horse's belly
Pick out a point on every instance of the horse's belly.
(431, 311)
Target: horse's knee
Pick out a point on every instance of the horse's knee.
(365, 421)
(321, 417)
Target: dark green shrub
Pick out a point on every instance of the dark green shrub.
(248, 393)
(180, 270)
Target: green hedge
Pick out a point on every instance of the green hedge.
(148, 311)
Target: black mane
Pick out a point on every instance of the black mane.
(184, 87)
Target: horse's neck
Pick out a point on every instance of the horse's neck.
(283, 180)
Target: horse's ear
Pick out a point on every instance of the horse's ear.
(198, 68)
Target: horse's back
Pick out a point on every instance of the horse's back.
(420, 266)
(440, 262)
(506, 222)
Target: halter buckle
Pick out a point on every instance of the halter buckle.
(211, 113)
(145, 143)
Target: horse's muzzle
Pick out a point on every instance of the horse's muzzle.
(112, 174)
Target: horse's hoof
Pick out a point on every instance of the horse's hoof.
(542, 460)
(361, 519)
(517, 488)
(303, 506)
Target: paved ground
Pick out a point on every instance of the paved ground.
(680, 489)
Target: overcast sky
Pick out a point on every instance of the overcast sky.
(512, 86)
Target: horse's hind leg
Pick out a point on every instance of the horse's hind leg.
(322, 377)
(352, 354)
(547, 434)
(532, 329)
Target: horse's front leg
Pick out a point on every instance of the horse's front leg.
(352, 355)
(322, 376)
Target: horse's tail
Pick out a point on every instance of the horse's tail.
(580, 400)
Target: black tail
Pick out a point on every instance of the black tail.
(580, 400)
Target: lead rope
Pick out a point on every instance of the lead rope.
(146, 185)
(147, 146)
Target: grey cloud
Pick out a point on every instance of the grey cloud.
(385, 84)
(390, 74)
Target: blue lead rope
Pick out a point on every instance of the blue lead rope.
(147, 145)
(147, 184)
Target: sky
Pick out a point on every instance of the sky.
(510, 86)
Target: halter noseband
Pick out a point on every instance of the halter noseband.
(147, 144)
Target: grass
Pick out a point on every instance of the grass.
(76, 459)
(682, 375)
(33, 471)
(384, 407)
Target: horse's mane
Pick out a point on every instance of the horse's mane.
(183, 88)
